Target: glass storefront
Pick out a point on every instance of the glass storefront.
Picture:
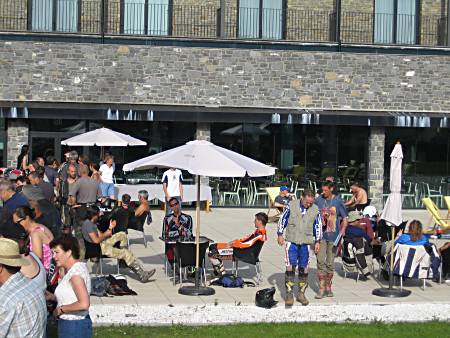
(3, 140)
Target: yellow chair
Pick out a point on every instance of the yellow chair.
(436, 217)
(272, 193)
(447, 203)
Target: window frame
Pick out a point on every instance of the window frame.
(53, 18)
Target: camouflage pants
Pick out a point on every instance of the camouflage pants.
(109, 250)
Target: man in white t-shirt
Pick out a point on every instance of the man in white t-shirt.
(106, 173)
(172, 181)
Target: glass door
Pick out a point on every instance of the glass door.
(42, 146)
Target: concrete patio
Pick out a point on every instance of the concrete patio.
(227, 224)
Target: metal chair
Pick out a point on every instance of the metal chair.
(234, 193)
(185, 256)
(257, 193)
(94, 251)
(250, 256)
(432, 193)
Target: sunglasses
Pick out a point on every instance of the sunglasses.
(20, 220)
(174, 204)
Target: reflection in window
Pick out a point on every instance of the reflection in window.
(395, 14)
(65, 17)
(261, 19)
(135, 13)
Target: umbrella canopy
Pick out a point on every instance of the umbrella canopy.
(103, 137)
(205, 159)
(249, 129)
(392, 211)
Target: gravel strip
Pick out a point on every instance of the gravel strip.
(157, 315)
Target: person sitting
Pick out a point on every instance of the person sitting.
(445, 256)
(40, 235)
(141, 213)
(283, 199)
(177, 226)
(218, 251)
(359, 199)
(107, 241)
(123, 213)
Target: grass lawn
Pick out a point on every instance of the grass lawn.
(376, 330)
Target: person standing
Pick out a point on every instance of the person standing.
(72, 292)
(22, 159)
(23, 311)
(172, 181)
(334, 221)
(303, 227)
(106, 173)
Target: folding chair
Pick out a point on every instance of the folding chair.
(94, 251)
(250, 256)
(185, 256)
(436, 217)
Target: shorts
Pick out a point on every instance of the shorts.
(107, 189)
(297, 255)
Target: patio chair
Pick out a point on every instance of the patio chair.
(185, 256)
(273, 192)
(432, 193)
(93, 251)
(233, 194)
(137, 224)
(256, 193)
(447, 203)
(411, 194)
(250, 256)
(436, 217)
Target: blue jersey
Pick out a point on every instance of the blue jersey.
(316, 228)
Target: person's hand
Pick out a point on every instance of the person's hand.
(316, 247)
(112, 224)
(57, 312)
(280, 240)
(49, 296)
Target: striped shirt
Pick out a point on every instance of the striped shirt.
(284, 220)
(23, 311)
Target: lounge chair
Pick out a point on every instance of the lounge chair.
(436, 216)
(273, 192)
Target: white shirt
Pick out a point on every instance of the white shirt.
(107, 173)
(173, 178)
(65, 294)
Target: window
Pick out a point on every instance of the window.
(139, 18)
(395, 21)
(261, 19)
(55, 15)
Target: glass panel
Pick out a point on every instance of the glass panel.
(134, 17)
(158, 15)
(249, 18)
(67, 16)
(42, 146)
(272, 17)
(384, 20)
(406, 21)
(42, 14)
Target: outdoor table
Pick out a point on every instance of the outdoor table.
(156, 191)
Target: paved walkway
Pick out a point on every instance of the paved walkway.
(227, 224)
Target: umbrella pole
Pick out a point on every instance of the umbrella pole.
(197, 290)
(390, 291)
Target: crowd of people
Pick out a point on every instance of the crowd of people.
(55, 216)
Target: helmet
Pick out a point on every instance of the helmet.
(264, 298)
(370, 211)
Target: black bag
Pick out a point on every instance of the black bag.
(119, 287)
(100, 286)
(231, 281)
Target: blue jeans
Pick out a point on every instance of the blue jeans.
(75, 328)
(107, 189)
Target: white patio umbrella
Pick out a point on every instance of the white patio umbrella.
(392, 214)
(103, 137)
(203, 158)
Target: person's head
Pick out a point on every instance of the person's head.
(327, 189)
(83, 159)
(92, 213)
(284, 191)
(143, 196)
(308, 198)
(40, 161)
(72, 171)
(32, 167)
(84, 170)
(23, 216)
(21, 180)
(36, 208)
(415, 230)
(261, 220)
(126, 200)
(15, 232)
(109, 160)
(93, 166)
(174, 205)
(354, 217)
(66, 250)
(52, 162)
(34, 178)
(7, 190)
(24, 150)
(72, 157)
(355, 187)
(10, 259)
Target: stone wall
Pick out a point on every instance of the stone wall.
(17, 134)
(376, 166)
(64, 72)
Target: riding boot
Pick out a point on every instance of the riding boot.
(219, 270)
(302, 286)
(144, 276)
(289, 281)
(321, 293)
(328, 291)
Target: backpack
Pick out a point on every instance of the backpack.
(231, 281)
